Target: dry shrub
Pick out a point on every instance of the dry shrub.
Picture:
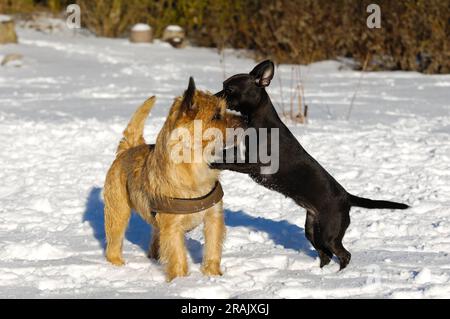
(414, 34)
(113, 18)
(16, 6)
(110, 18)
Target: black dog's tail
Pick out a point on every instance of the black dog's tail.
(370, 203)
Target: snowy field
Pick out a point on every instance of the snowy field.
(62, 111)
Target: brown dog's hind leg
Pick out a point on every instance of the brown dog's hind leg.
(214, 232)
(117, 214)
(172, 249)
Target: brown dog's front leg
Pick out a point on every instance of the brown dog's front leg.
(214, 232)
(172, 249)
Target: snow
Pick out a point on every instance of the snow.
(141, 27)
(61, 116)
(33, 252)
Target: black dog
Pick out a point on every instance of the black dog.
(299, 176)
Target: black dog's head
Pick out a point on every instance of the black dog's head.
(244, 92)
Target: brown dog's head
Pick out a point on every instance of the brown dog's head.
(197, 125)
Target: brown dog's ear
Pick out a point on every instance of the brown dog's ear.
(263, 73)
(187, 105)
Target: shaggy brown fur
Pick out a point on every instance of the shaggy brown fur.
(143, 172)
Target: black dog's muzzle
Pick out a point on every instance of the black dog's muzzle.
(220, 94)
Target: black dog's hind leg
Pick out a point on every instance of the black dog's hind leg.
(343, 254)
(336, 234)
(309, 232)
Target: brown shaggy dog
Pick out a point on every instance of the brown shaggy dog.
(144, 173)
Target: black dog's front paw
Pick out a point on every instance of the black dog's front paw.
(214, 165)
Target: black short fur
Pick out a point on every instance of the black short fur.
(299, 176)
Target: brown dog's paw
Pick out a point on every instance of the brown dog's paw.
(176, 271)
(116, 261)
(211, 269)
(171, 276)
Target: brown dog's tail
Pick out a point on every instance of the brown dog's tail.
(133, 134)
(370, 203)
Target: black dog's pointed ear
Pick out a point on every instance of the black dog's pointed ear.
(188, 105)
(264, 73)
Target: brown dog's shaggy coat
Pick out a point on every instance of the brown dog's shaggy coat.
(142, 173)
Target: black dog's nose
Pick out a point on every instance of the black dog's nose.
(220, 94)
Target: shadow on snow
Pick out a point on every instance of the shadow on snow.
(282, 233)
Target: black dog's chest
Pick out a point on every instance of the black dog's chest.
(269, 181)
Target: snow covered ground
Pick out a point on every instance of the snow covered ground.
(61, 116)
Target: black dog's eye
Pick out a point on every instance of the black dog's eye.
(228, 90)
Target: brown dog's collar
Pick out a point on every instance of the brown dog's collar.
(188, 205)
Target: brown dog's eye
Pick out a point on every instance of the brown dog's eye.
(217, 116)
